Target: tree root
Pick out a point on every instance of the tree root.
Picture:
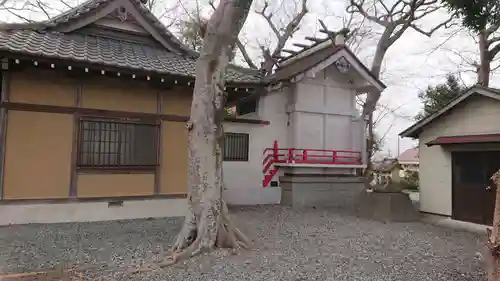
(209, 233)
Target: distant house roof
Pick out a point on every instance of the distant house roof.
(414, 130)
(385, 165)
(409, 156)
(59, 38)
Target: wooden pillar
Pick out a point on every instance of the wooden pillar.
(73, 189)
(4, 97)
(159, 143)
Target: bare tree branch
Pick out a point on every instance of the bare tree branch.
(394, 20)
(245, 54)
(268, 17)
(68, 6)
(43, 7)
(239, 44)
(282, 35)
(435, 28)
(357, 7)
(25, 10)
(11, 11)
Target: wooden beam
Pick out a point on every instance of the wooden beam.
(4, 97)
(94, 199)
(159, 144)
(314, 39)
(73, 188)
(328, 32)
(82, 68)
(290, 51)
(145, 118)
(301, 45)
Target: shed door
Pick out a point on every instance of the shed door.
(472, 201)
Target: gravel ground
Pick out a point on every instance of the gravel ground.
(291, 245)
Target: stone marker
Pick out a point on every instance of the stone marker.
(387, 203)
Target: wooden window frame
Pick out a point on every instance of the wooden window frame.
(149, 166)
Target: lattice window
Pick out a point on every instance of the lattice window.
(236, 146)
(117, 144)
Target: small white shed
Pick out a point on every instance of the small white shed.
(459, 150)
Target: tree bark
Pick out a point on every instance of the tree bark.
(368, 175)
(484, 68)
(382, 47)
(207, 224)
(372, 99)
(493, 245)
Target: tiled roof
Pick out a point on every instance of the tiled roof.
(75, 12)
(109, 52)
(43, 39)
(303, 64)
(294, 65)
(91, 5)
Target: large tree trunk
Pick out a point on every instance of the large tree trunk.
(372, 99)
(484, 69)
(493, 254)
(207, 224)
(382, 47)
(368, 175)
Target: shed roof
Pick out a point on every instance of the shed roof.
(479, 138)
(414, 130)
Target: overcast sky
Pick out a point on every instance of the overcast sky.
(411, 64)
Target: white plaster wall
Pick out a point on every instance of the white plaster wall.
(476, 115)
(243, 180)
(318, 112)
(435, 179)
(357, 134)
(325, 115)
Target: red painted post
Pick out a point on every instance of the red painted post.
(275, 152)
(304, 155)
(334, 157)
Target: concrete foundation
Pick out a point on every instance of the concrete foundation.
(90, 211)
(387, 206)
(320, 190)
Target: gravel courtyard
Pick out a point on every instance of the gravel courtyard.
(291, 245)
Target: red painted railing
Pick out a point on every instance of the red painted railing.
(277, 155)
